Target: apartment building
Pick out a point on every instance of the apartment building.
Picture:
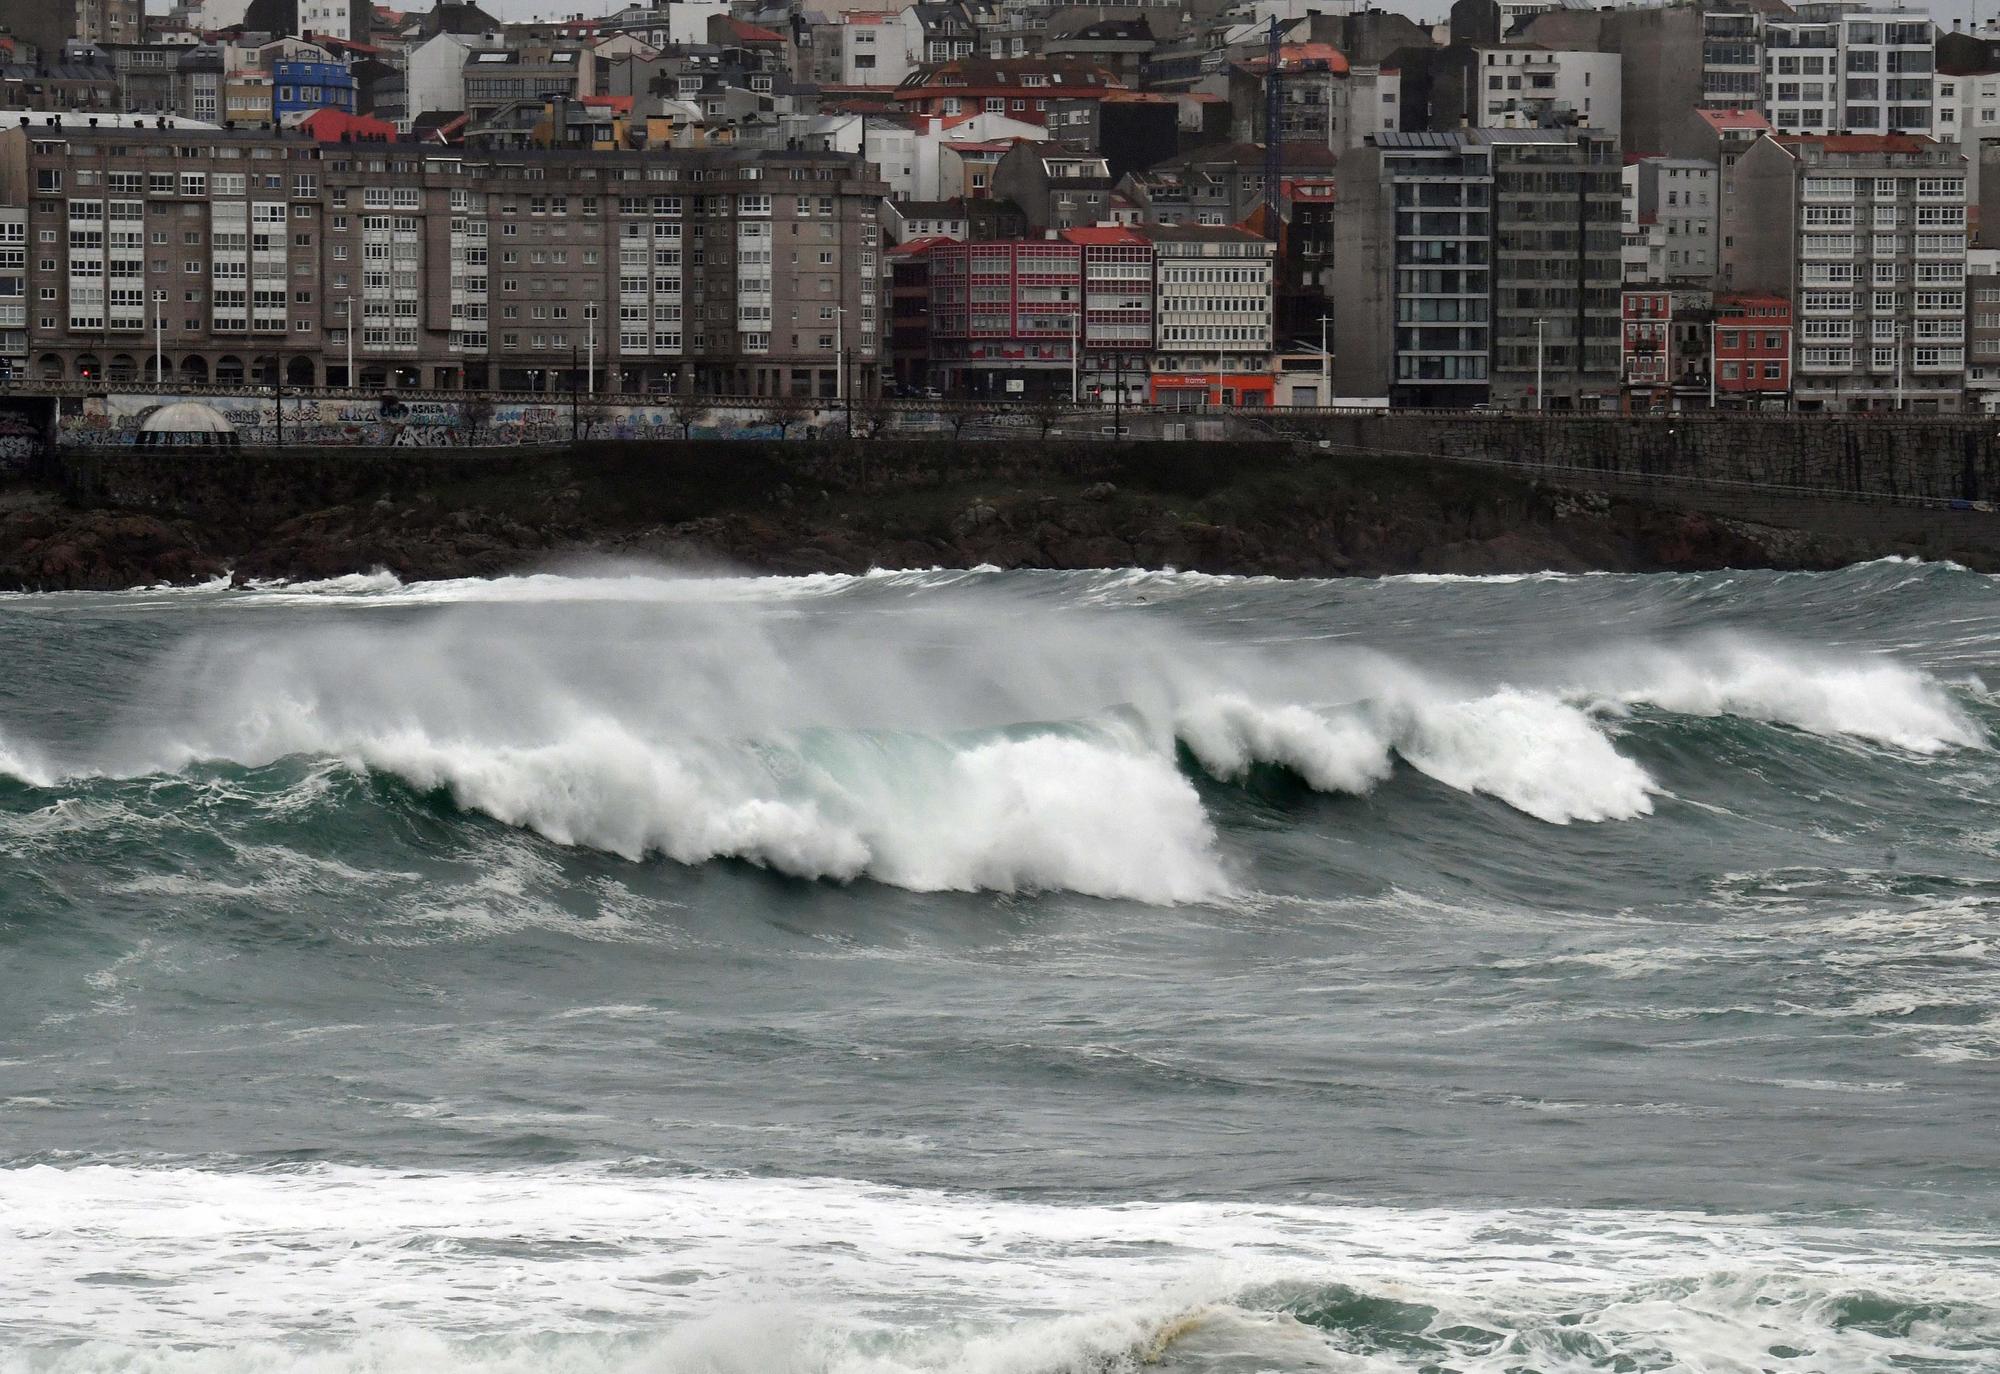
(1319, 100)
(1042, 317)
(1851, 66)
(1732, 56)
(246, 256)
(198, 84)
(874, 49)
(303, 85)
(107, 21)
(1977, 119)
(246, 97)
(1664, 348)
(1213, 315)
(1866, 234)
(1556, 268)
(1752, 344)
(1412, 269)
(1527, 86)
(1680, 199)
(1662, 52)
(1175, 314)
(1006, 317)
(1020, 87)
(1982, 345)
(496, 77)
(13, 291)
(1118, 311)
(1056, 189)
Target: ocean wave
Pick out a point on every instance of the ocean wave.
(617, 1268)
(1340, 753)
(1540, 755)
(973, 741)
(1858, 697)
(609, 581)
(25, 766)
(1044, 811)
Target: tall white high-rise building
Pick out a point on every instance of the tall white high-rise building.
(1852, 66)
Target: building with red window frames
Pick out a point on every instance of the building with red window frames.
(1043, 317)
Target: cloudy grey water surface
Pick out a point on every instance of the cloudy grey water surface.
(627, 971)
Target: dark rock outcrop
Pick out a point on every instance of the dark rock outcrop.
(127, 518)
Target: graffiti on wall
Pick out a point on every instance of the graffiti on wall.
(116, 420)
(20, 440)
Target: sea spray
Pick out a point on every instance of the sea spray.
(1331, 751)
(938, 732)
(1862, 697)
(1533, 752)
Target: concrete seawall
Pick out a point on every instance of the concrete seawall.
(1934, 459)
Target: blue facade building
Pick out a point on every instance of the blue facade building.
(302, 87)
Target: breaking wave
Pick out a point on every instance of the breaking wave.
(1862, 697)
(976, 742)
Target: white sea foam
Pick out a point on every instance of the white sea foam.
(1333, 753)
(1863, 697)
(599, 1268)
(602, 581)
(1004, 815)
(936, 730)
(348, 584)
(1533, 752)
(23, 765)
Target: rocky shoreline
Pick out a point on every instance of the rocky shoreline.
(140, 519)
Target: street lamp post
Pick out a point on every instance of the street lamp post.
(1325, 364)
(839, 352)
(1118, 397)
(1538, 362)
(1714, 363)
(1075, 353)
(350, 342)
(1899, 367)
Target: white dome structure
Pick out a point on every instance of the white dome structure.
(185, 424)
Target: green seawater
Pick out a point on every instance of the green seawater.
(622, 970)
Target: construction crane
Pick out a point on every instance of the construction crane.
(1274, 155)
